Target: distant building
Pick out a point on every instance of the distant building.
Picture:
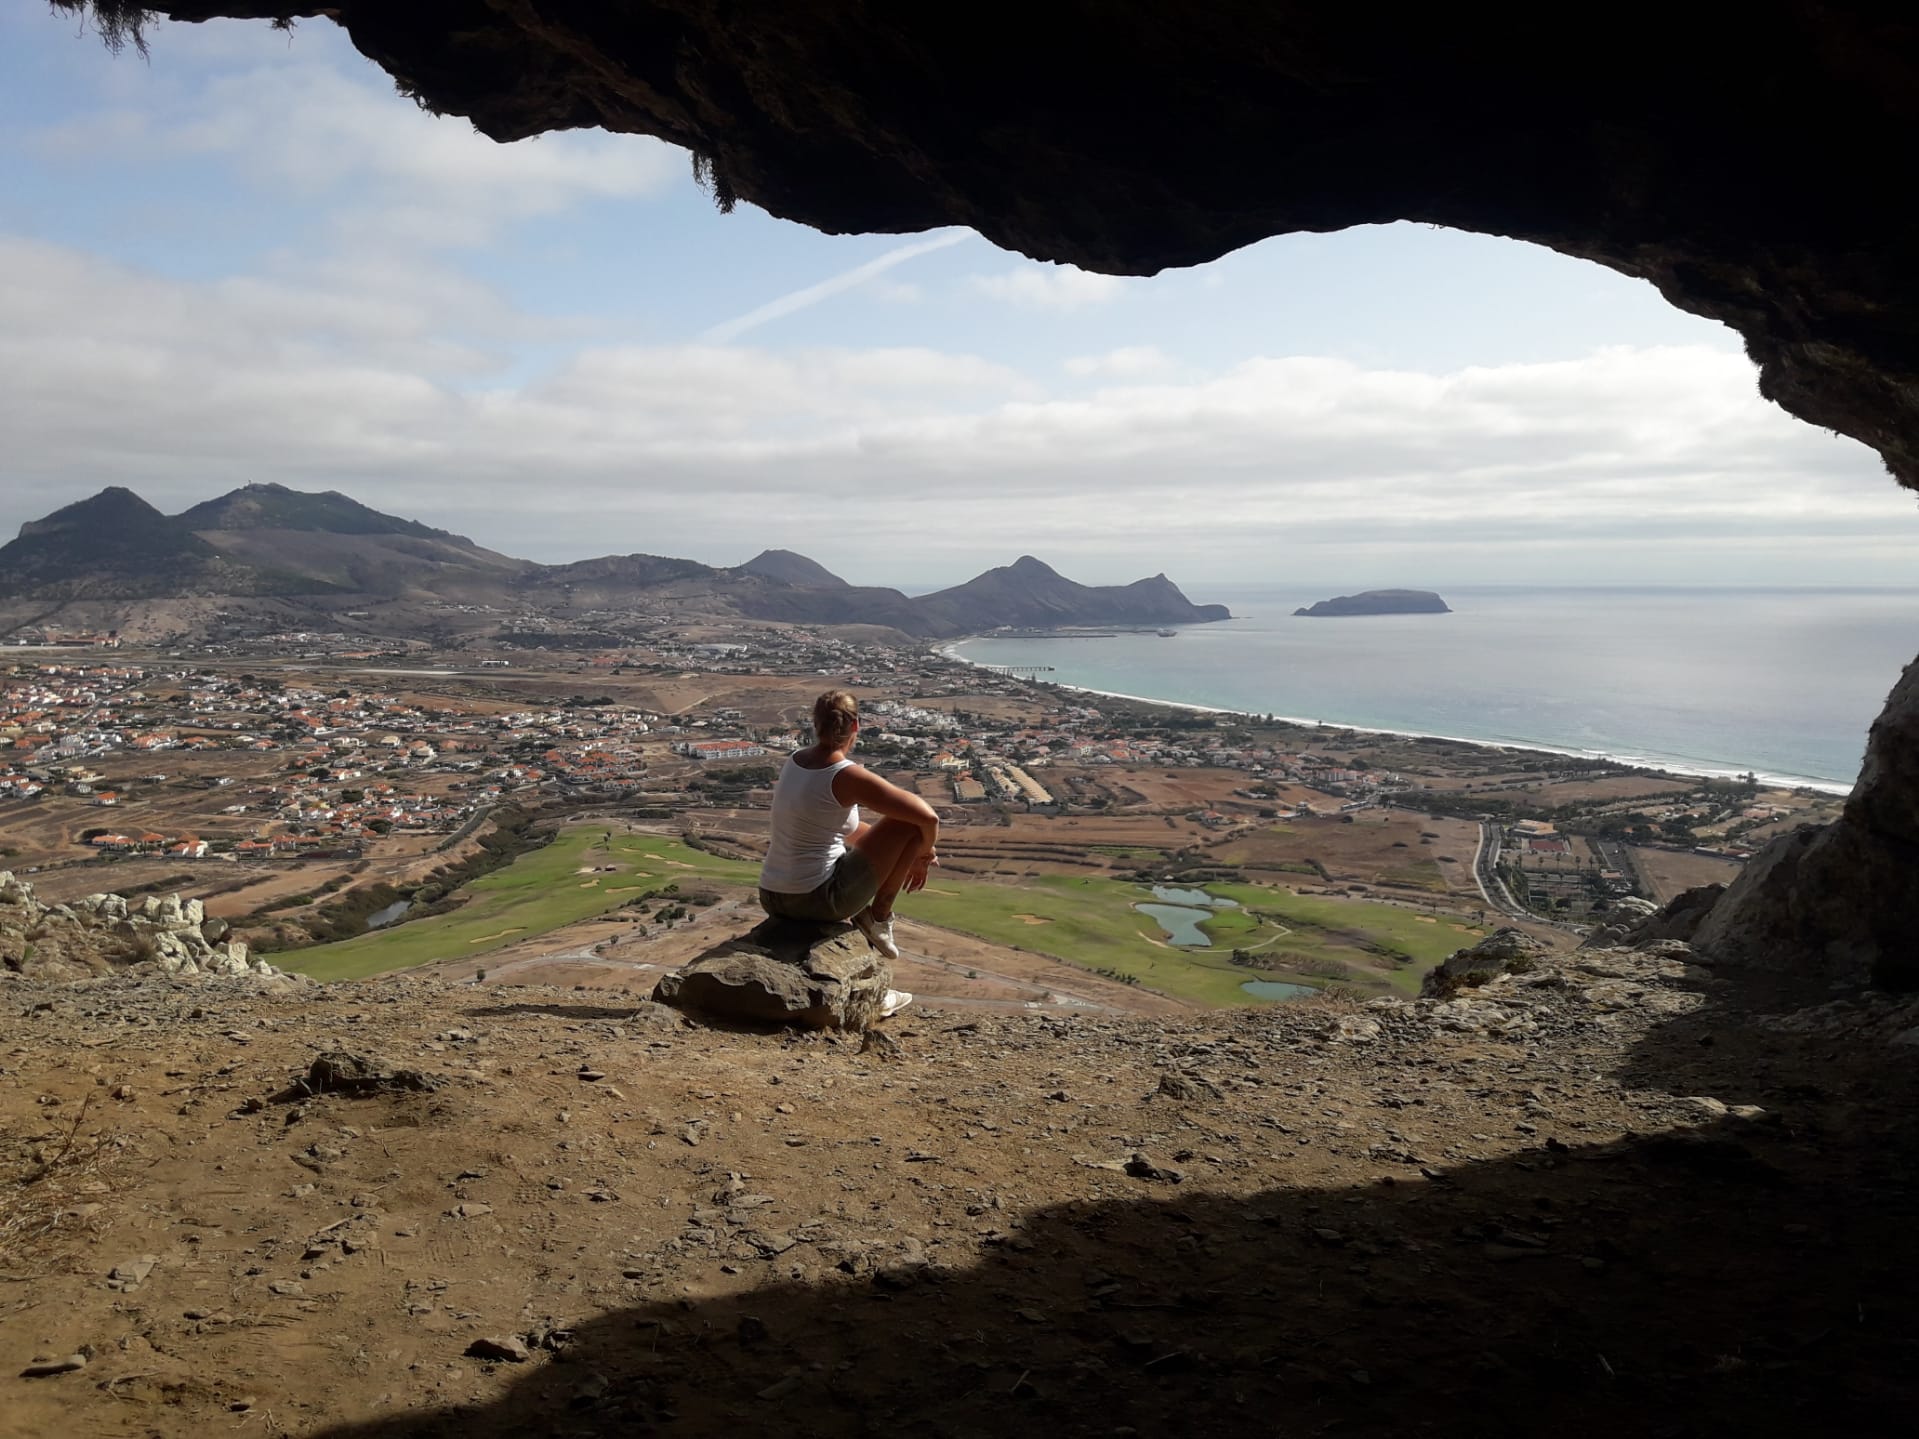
(718, 749)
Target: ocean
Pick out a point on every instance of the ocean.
(1781, 682)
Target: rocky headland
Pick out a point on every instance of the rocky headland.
(1377, 602)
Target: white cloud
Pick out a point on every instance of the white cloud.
(1049, 287)
(908, 457)
(316, 132)
(1128, 362)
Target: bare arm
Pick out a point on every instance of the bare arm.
(858, 785)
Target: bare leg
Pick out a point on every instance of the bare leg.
(892, 847)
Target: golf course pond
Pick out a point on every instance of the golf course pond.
(391, 914)
(1181, 911)
(1276, 989)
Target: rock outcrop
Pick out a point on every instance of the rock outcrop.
(1842, 899)
(1635, 922)
(104, 932)
(1504, 951)
(816, 977)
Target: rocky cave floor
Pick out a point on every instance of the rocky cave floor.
(1613, 1195)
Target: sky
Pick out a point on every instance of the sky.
(247, 258)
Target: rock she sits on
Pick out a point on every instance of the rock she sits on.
(781, 972)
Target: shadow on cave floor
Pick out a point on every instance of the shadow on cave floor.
(1740, 1276)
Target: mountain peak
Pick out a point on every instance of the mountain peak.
(790, 568)
(1031, 593)
(113, 508)
(266, 506)
(1028, 567)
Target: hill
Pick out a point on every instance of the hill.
(254, 541)
(275, 507)
(1030, 593)
(113, 545)
(1377, 602)
(792, 569)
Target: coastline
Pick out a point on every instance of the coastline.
(949, 650)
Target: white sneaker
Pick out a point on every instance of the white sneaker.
(878, 932)
(895, 1001)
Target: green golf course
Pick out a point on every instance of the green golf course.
(539, 892)
(1090, 922)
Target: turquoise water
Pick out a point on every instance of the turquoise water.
(1784, 682)
(1183, 913)
(1181, 924)
(1276, 989)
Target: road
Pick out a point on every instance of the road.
(1492, 888)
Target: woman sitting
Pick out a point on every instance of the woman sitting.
(822, 863)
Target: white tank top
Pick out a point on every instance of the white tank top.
(809, 829)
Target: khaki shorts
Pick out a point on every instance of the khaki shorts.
(841, 895)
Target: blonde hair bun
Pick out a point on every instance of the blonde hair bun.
(834, 715)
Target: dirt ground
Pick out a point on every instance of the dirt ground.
(1618, 787)
(1373, 847)
(1668, 872)
(597, 1220)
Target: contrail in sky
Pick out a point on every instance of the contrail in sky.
(832, 285)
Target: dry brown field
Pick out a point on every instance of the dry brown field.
(235, 888)
(1009, 708)
(1617, 788)
(1667, 873)
(1379, 847)
(1174, 788)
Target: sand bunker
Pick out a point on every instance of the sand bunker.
(591, 884)
(1425, 919)
(681, 864)
(1032, 919)
(517, 929)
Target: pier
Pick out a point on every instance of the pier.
(1025, 672)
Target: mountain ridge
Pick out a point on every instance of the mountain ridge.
(269, 540)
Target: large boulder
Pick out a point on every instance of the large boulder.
(1636, 923)
(1504, 951)
(780, 972)
(1839, 901)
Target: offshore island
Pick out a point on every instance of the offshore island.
(1378, 602)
